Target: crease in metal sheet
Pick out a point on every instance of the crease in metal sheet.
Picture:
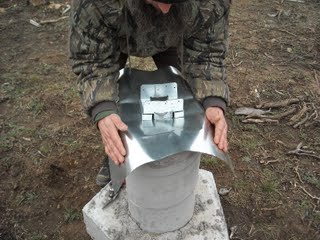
(152, 140)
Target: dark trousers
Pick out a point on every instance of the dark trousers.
(163, 59)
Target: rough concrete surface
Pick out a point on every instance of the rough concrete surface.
(115, 223)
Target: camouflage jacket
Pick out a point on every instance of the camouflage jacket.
(98, 35)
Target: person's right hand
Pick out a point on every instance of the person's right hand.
(109, 128)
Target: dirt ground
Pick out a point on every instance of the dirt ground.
(50, 153)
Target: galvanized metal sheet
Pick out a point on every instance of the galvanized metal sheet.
(152, 140)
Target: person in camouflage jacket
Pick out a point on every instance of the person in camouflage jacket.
(104, 32)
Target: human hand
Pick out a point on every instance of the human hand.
(109, 128)
(216, 117)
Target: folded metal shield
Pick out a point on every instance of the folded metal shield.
(163, 119)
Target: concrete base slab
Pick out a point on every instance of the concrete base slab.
(115, 223)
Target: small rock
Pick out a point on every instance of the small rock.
(2, 10)
(273, 40)
(224, 191)
(291, 81)
(289, 50)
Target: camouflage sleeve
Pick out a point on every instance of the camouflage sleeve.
(93, 51)
(204, 56)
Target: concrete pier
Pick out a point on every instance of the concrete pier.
(115, 223)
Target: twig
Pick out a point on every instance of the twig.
(269, 56)
(251, 229)
(68, 7)
(263, 120)
(297, 1)
(283, 63)
(278, 104)
(309, 194)
(312, 123)
(284, 114)
(281, 143)
(277, 91)
(302, 152)
(270, 209)
(53, 20)
(268, 162)
(316, 78)
(297, 172)
(285, 31)
(34, 23)
(301, 122)
(42, 154)
(233, 230)
(236, 65)
(299, 115)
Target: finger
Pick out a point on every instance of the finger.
(116, 140)
(115, 152)
(118, 123)
(218, 132)
(226, 141)
(223, 135)
(111, 154)
(223, 140)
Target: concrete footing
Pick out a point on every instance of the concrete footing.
(115, 223)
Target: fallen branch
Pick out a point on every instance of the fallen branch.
(302, 152)
(278, 104)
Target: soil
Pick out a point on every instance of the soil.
(50, 152)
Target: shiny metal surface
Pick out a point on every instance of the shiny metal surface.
(152, 140)
(160, 101)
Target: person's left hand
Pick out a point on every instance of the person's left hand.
(216, 117)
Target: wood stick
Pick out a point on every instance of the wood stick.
(296, 171)
(284, 114)
(278, 104)
(301, 122)
(309, 194)
(302, 152)
(270, 209)
(256, 120)
(53, 20)
(299, 115)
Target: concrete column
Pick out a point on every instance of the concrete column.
(161, 194)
